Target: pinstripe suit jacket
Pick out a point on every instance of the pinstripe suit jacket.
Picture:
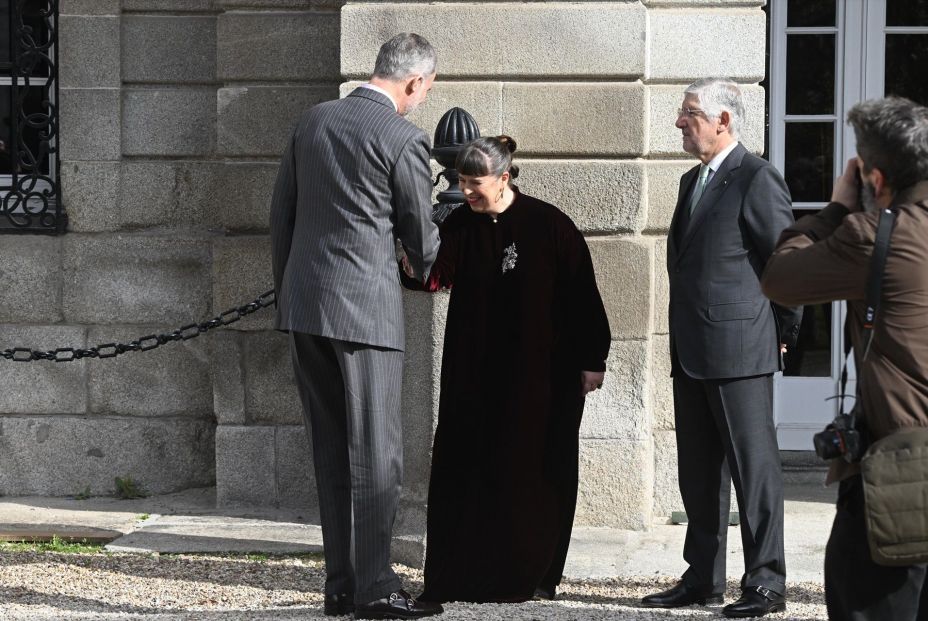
(354, 177)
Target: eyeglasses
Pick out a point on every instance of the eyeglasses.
(690, 112)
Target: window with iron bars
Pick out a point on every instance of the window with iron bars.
(29, 167)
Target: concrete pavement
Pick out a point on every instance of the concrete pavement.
(190, 522)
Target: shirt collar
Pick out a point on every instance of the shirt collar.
(716, 162)
(382, 92)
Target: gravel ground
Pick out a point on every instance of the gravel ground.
(36, 585)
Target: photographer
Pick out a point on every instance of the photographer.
(826, 257)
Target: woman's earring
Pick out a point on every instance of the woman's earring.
(500, 197)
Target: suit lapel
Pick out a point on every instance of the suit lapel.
(686, 190)
(714, 191)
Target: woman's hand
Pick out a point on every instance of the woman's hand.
(590, 381)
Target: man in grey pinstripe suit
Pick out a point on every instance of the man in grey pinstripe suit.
(354, 178)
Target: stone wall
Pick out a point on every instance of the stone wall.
(590, 91)
(173, 116)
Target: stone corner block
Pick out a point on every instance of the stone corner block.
(253, 184)
(616, 484)
(228, 377)
(243, 126)
(90, 195)
(270, 388)
(661, 288)
(31, 272)
(296, 477)
(135, 279)
(173, 380)
(592, 119)
(666, 483)
(170, 194)
(93, 50)
(175, 121)
(728, 44)
(599, 196)
(89, 122)
(61, 456)
(661, 383)
(621, 409)
(168, 48)
(89, 7)
(246, 466)
(280, 45)
(663, 188)
(480, 99)
(605, 39)
(623, 272)
(44, 387)
(242, 272)
(703, 3)
(172, 6)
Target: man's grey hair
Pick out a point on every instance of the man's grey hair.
(717, 95)
(892, 135)
(405, 55)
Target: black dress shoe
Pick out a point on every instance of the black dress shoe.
(338, 604)
(546, 593)
(397, 605)
(682, 594)
(755, 601)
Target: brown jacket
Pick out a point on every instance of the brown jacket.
(825, 257)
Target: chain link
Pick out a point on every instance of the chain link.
(145, 343)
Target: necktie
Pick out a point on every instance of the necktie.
(700, 186)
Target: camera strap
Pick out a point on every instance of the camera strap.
(874, 289)
(875, 278)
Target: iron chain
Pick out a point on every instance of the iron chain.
(145, 343)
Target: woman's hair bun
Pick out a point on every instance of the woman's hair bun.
(513, 171)
(508, 142)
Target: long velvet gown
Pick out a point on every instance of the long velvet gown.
(525, 318)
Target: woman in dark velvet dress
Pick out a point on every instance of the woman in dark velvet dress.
(526, 339)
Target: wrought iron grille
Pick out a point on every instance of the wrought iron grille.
(29, 167)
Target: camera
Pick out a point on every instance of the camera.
(840, 439)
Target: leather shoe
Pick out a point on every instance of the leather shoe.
(397, 605)
(337, 604)
(755, 601)
(682, 594)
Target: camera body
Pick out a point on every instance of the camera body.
(840, 439)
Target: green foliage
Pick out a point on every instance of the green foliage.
(127, 489)
(84, 494)
(56, 545)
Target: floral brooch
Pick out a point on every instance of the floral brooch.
(509, 257)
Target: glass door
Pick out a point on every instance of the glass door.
(807, 41)
(825, 56)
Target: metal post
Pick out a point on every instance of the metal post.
(455, 129)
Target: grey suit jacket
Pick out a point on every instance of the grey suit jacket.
(721, 325)
(354, 177)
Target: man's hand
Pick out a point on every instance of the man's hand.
(847, 187)
(590, 381)
(782, 348)
(403, 260)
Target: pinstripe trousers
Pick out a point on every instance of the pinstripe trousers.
(351, 408)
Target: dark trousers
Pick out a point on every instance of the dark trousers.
(351, 403)
(856, 588)
(725, 434)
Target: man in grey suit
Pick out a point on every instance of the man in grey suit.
(354, 178)
(726, 341)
